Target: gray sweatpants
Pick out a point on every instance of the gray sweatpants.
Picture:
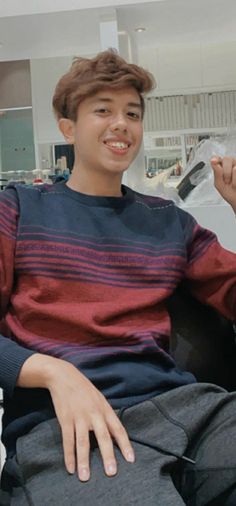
(197, 421)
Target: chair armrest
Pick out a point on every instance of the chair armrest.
(202, 341)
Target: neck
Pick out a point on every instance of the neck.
(97, 185)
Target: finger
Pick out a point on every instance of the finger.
(215, 161)
(82, 452)
(121, 437)
(106, 447)
(234, 177)
(68, 440)
(227, 164)
(216, 164)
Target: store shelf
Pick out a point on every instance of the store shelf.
(165, 148)
(176, 144)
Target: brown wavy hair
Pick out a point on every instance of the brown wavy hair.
(87, 76)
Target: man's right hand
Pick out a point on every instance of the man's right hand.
(80, 408)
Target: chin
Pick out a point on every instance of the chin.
(119, 167)
(118, 171)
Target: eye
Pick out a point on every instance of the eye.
(134, 115)
(102, 110)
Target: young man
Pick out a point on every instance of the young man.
(90, 390)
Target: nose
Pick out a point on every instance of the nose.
(119, 122)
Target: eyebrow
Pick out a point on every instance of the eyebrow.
(110, 100)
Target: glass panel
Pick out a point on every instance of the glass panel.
(17, 154)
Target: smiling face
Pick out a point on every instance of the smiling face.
(107, 133)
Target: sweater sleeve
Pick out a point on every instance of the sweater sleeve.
(211, 269)
(12, 355)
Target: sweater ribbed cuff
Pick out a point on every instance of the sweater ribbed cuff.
(13, 357)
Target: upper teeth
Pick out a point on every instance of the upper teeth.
(118, 144)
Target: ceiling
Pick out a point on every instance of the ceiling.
(43, 34)
(22, 7)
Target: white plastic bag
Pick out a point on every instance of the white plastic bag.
(203, 180)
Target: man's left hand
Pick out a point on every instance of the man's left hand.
(225, 178)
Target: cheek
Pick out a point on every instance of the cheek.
(83, 137)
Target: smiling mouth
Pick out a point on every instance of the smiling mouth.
(117, 144)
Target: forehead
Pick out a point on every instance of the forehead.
(127, 96)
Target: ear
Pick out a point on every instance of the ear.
(66, 127)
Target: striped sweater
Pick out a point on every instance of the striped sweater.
(86, 279)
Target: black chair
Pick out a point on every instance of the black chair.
(202, 341)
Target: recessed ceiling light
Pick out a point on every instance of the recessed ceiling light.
(140, 29)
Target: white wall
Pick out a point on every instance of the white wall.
(220, 219)
(182, 68)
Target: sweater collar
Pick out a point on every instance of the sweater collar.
(98, 201)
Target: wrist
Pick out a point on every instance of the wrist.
(37, 371)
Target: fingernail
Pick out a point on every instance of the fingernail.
(130, 456)
(83, 474)
(71, 469)
(111, 468)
